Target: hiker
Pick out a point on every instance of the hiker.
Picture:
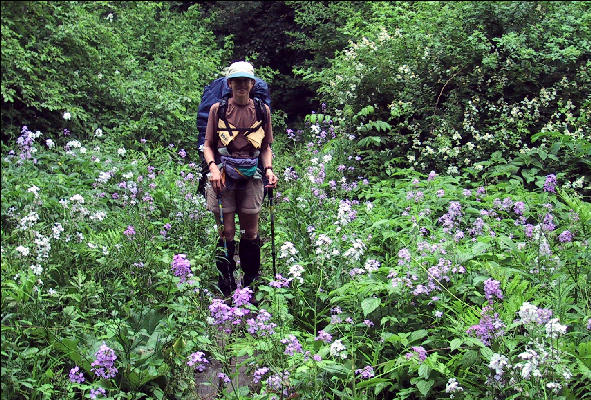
(238, 136)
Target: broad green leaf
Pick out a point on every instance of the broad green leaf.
(486, 353)
(370, 304)
(424, 371)
(424, 386)
(417, 335)
(455, 344)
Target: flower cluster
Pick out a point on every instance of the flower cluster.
(129, 232)
(492, 289)
(324, 336)
(419, 352)
(103, 365)
(277, 382)
(550, 184)
(452, 386)
(97, 392)
(198, 360)
(258, 374)
(337, 349)
(242, 296)
(261, 325)
(292, 345)
(489, 327)
(181, 267)
(366, 372)
(76, 376)
(280, 282)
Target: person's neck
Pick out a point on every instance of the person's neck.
(241, 100)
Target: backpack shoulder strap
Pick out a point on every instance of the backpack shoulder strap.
(261, 110)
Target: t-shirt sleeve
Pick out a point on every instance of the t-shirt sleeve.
(211, 123)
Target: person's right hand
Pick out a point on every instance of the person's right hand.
(215, 178)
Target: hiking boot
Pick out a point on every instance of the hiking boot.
(226, 267)
(250, 260)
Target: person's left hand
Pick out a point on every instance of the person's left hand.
(271, 179)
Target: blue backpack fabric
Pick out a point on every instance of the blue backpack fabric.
(218, 90)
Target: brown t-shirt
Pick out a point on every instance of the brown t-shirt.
(241, 116)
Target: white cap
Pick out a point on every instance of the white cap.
(240, 69)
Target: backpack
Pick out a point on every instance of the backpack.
(218, 91)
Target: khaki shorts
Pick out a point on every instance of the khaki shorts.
(246, 198)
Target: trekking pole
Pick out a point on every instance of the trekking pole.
(222, 220)
(272, 230)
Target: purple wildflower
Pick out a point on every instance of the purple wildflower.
(324, 336)
(181, 267)
(96, 392)
(419, 351)
(550, 184)
(403, 256)
(489, 327)
(130, 231)
(292, 345)
(565, 236)
(260, 325)
(365, 373)
(182, 153)
(242, 296)
(225, 378)
(529, 230)
(280, 282)
(492, 289)
(75, 376)
(198, 360)
(103, 365)
(548, 223)
(519, 207)
(258, 374)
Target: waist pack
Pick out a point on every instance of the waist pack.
(240, 169)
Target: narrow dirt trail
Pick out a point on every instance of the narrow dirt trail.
(209, 386)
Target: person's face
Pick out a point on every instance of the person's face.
(241, 86)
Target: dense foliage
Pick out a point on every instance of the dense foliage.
(133, 69)
(432, 220)
(446, 84)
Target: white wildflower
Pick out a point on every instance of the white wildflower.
(337, 349)
(77, 198)
(24, 251)
(554, 328)
(37, 269)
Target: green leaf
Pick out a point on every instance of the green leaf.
(417, 335)
(455, 344)
(470, 357)
(370, 304)
(424, 386)
(424, 371)
(178, 346)
(486, 353)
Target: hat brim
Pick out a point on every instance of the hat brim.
(241, 75)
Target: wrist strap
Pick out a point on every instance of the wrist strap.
(209, 163)
(266, 168)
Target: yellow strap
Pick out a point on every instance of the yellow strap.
(255, 138)
(226, 136)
